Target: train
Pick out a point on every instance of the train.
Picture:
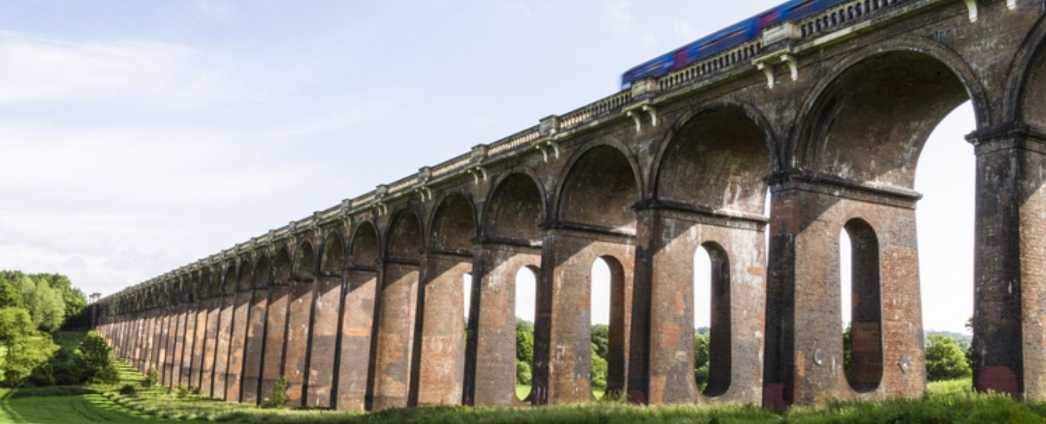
(725, 39)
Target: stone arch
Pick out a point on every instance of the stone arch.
(244, 274)
(1028, 75)
(305, 264)
(364, 248)
(716, 157)
(601, 185)
(453, 226)
(333, 256)
(229, 278)
(282, 266)
(404, 236)
(263, 272)
(883, 103)
(515, 209)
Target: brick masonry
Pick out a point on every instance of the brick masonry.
(360, 307)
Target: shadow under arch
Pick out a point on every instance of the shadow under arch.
(883, 104)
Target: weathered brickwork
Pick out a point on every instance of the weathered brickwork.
(360, 306)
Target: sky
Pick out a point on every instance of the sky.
(139, 136)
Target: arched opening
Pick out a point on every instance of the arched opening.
(607, 279)
(712, 318)
(864, 364)
(516, 211)
(334, 260)
(878, 126)
(600, 191)
(526, 297)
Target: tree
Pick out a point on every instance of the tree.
(601, 339)
(599, 370)
(702, 357)
(26, 348)
(524, 351)
(524, 341)
(10, 294)
(945, 359)
(45, 304)
(72, 297)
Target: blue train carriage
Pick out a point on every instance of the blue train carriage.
(730, 37)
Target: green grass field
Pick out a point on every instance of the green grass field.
(945, 402)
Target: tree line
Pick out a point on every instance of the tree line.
(948, 356)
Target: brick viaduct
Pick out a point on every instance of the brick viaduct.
(359, 307)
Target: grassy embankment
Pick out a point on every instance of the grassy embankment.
(945, 402)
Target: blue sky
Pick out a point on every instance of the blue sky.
(138, 136)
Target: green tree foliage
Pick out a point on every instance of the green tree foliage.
(599, 370)
(45, 304)
(26, 347)
(72, 297)
(524, 375)
(10, 294)
(98, 363)
(50, 299)
(601, 340)
(945, 359)
(702, 357)
(524, 351)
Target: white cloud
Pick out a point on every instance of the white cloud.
(37, 69)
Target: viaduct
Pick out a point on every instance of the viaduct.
(359, 307)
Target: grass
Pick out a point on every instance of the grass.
(945, 402)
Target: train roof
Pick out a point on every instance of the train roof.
(719, 33)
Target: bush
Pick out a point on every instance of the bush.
(945, 359)
(128, 390)
(98, 362)
(277, 396)
(150, 379)
(524, 375)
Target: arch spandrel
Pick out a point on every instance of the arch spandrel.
(405, 236)
(304, 264)
(515, 210)
(333, 258)
(868, 121)
(453, 226)
(365, 246)
(717, 157)
(601, 186)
